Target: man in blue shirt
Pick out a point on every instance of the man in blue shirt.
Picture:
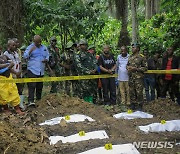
(37, 56)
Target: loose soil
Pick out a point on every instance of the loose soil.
(24, 135)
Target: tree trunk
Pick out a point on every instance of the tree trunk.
(148, 9)
(124, 35)
(11, 17)
(157, 6)
(152, 8)
(134, 21)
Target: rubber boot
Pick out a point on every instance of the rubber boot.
(6, 109)
(21, 105)
(90, 99)
(18, 110)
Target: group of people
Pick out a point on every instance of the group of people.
(80, 59)
(133, 78)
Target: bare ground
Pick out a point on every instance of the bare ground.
(24, 135)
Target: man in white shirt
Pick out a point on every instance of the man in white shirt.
(123, 77)
(13, 55)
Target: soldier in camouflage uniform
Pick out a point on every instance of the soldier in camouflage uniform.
(136, 67)
(66, 62)
(75, 83)
(86, 64)
(53, 64)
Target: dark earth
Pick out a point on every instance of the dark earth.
(23, 135)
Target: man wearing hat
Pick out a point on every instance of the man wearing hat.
(86, 64)
(66, 62)
(136, 67)
(53, 65)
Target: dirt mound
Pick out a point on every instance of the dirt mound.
(163, 109)
(15, 137)
(61, 105)
(25, 135)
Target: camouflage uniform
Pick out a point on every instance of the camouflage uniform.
(136, 78)
(85, 62)
(67, 59)
(75, 83)
(54, 65)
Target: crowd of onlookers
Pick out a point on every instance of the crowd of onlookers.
(80, 59)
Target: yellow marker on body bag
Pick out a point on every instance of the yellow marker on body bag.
(108, 146)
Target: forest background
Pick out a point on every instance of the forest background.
(155, 24)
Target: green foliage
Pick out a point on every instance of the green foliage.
(160, 32)
(72, 20)
(170, 6)
(69, 19)
(109, 35)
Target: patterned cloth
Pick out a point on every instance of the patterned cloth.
(85, 63)
(136, 78)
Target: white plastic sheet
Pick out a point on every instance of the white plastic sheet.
(116, 149)
(73, 118)
(101, 134)
(173, 125)
(137, 114)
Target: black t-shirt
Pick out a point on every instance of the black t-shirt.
(106, 62)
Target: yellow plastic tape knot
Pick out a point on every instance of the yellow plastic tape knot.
(108, 146)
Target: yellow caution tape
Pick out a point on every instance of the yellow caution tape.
(82, 133)
(163, 121)
(67, 117)
(62, 78)
(83, 77)
(129, 111)
(173, 71)
(108, 146)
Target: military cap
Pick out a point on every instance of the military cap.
(91, 47)
(53, 38)
(135, 45)
(23, 47)
(69, 45)
(81, 42)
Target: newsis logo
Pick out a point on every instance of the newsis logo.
(153, 144)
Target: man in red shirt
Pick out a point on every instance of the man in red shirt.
(171, 81)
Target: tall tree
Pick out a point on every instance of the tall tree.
(135, 33)
(148, 9)
(122, 14)
(11, 19)
(152, 8)
(121, 9)
(70, 19)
